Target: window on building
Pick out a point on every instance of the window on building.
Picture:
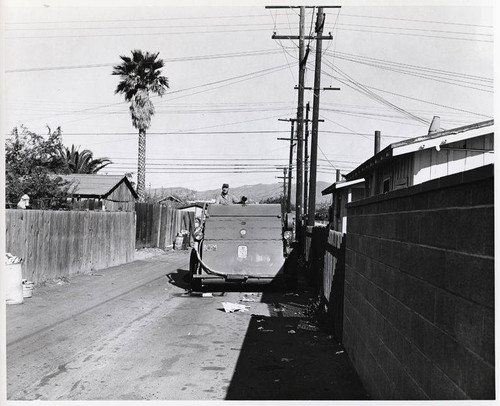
(386, 186)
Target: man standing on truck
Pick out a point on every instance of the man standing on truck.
(225, 197)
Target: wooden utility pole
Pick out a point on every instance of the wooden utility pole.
(300, 111)
(306, 159)
(300, 129)
(320, 21)
(290, 162)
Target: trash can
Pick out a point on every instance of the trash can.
(14, 283)
(27, 288)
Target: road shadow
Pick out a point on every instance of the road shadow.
(286, 356)
(179, 278)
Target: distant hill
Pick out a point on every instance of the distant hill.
(256, 193)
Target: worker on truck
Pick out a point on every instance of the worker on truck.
(225, 197)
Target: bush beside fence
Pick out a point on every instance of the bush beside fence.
(56, 244)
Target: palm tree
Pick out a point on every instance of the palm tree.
(82, 162)
(140, 76)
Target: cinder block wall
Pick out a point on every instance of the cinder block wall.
(419, 290)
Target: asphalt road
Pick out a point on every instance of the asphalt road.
(135, 332)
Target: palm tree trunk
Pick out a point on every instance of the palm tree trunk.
(141, 166)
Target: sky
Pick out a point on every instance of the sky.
(230, 83)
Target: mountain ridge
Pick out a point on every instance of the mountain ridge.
(257, 192)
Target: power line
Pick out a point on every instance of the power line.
(419, 21)
(168, 60)
(234, 31)
(347, 56)
(138, 19)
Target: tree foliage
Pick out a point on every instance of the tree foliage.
(32, 162)
(81, 162)
(140, 77)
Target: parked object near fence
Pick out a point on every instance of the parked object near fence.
(57, 244)
(13, 283)
(27, 288)
(158, 225)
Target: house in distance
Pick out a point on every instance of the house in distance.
(100, 192)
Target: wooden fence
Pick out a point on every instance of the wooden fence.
(55, 244)
(333, 280)
(325, 259)
(158, 225)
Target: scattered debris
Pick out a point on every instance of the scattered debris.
(263, 330)
(234, 307)
(291, 331)
(200, 294)
(62, 281)
(260, 320)
(12, 259)
(339, 352)
(304, 325)
(246, 299)
(286, 359)
(276, 380)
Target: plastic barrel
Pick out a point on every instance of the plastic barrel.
(14, 284)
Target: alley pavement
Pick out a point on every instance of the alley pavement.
(136, 331)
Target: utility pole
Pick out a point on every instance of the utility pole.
(284, 177)
(300, 130)
(300, 111)
(290, 162)
(320, 21)
(306, 159)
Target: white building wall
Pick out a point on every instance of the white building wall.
(452, 158)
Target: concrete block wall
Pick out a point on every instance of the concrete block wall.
(419, 290)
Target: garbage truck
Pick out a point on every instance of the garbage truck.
(241, 244)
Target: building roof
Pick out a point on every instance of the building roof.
(190, 205)
(339, 185)
(421, 143)
(95, 185)
(170, 198)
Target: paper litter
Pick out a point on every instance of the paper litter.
(234, 307)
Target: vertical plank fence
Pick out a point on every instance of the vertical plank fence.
(55, 244)
(325, 262)
(333, 281)
(158, 225)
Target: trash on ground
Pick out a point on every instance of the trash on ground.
(291, 294)
(246, 299)
(260, 320)
(234, 307)
(12, 259)
(262, 329)
(286, 359)
(291, 331)
(339, 352)
(303, 325)
(201, 294)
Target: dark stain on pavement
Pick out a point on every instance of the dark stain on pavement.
(47, 378)
(213, 369)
